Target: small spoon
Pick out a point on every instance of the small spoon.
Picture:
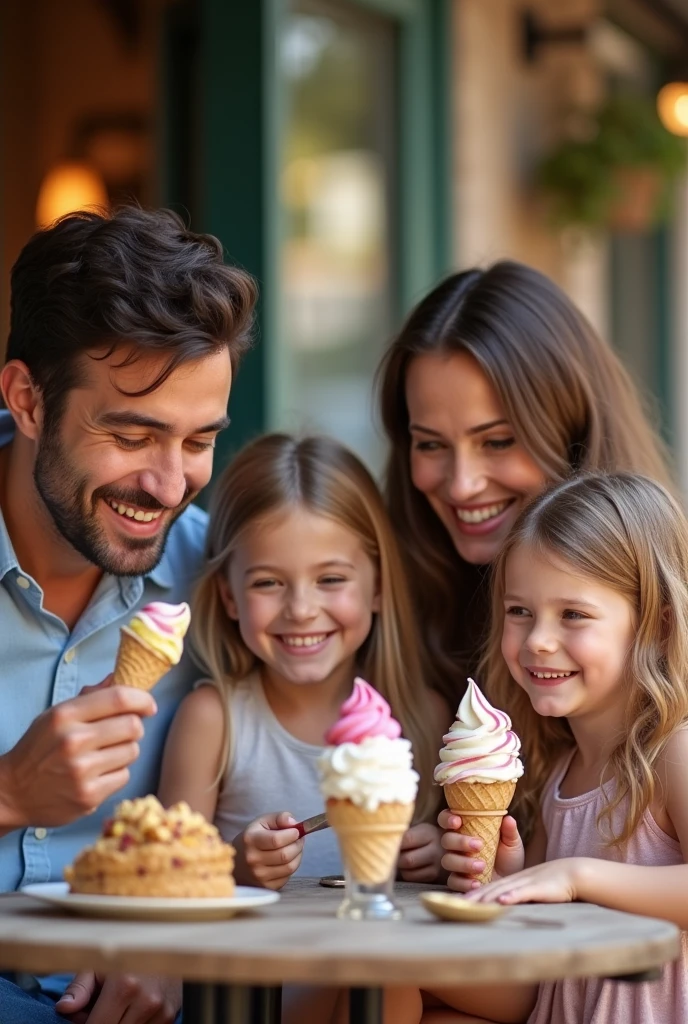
(452, 907)
(455, 908)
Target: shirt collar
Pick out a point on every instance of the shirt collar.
(162, 574)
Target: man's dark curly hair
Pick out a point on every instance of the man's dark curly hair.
(92, 281)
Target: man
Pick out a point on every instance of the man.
(124, 335)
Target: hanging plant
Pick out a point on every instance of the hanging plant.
(620, 175)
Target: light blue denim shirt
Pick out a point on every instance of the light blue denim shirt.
(42, 664)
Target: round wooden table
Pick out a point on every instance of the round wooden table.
(233, 969)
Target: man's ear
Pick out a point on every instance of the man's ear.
(22, 398)
(227, 598)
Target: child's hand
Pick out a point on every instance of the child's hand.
(421, 853)
(462, 859)
(268, 852)
(553, 882)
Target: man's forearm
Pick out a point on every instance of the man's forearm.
(650, 891)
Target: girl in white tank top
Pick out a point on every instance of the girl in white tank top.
(303, 590)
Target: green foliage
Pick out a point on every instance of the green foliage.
(579, 175)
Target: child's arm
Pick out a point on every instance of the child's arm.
(637, 889)
(267, 851)
(191, 762)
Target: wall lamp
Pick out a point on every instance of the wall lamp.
(672, 107)
(535, 36)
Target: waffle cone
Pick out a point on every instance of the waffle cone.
(481, 805)
(137, 665)
(369, 840)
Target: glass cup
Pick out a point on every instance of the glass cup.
(366, 901)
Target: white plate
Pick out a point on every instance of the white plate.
(152, 908)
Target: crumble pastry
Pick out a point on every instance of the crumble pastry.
(146, 850)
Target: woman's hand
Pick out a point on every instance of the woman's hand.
(421, 853)
(553, 882)
(462, 857)
(268, 851)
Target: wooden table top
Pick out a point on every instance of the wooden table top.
(299, 939)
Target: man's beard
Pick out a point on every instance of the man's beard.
(63, 492)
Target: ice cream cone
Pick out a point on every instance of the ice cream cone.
(136, 664)
(369, 840)
(481, 806)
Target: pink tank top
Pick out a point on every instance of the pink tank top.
(571, 827)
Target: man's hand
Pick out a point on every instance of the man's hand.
(268, 851)
(462, 859)
(73, 757)
(421, 854)
(120, 999)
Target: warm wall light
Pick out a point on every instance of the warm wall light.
(672, 107)
(69, 186)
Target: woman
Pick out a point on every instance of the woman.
(496, 386)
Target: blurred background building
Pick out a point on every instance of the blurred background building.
(352, 152)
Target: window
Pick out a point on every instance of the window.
(309, 135)
(337, 191)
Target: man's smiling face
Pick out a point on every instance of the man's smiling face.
(116, 471)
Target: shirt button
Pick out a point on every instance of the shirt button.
(23, 582)
(40, 833)
(70, 655)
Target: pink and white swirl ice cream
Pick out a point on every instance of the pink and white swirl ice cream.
(369, 784)
(480, 745)
(366, 761)
(151, 643)
(479, 768)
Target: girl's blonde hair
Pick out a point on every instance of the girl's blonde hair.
(627, 533)
(564, 391)
(278, 472)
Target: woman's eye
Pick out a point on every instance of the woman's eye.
(263, 584)
(517, 610)
(129, 444)
(572, 614)
(329, 580)
(500, 444)
(427, 446)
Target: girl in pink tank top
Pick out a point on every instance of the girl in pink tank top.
(589, 656)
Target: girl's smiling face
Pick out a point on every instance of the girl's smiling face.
(566, 637)
(465, 457)
(304, 592)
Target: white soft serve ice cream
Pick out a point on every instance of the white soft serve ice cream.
(366, 760)
(480, 746)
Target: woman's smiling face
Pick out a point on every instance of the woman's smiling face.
(465, 457)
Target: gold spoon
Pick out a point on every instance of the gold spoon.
(452, 907)
(455, 908)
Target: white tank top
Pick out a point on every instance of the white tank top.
(270, 770)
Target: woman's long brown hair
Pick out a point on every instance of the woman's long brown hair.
(278, 472)
(569, 400)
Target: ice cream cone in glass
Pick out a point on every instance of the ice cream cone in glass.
(370, 789)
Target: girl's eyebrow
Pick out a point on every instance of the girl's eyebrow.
(321, 565)
(578, 601)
